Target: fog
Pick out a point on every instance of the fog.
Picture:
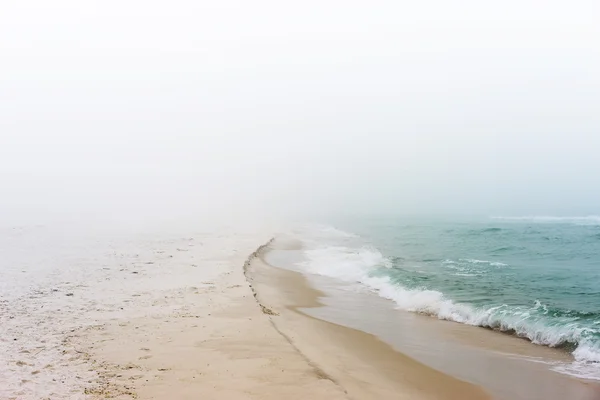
(156, 108)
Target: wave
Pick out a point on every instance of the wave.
(582, 220)
(537, 323)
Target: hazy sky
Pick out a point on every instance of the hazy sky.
(355, 106)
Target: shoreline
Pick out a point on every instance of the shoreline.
(204, 313)
(233, 335)
(506, 367)
(362, 364)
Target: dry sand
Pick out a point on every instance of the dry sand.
(165, 313)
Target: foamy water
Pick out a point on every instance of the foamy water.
(57, 282)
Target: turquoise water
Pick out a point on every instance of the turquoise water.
(536, 278)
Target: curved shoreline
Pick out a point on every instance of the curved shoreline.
(505, 367)
(363, 365)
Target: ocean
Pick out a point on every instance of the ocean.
(536, 278)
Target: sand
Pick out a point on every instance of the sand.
(211, 341)
(137, 314)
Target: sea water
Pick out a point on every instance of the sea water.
(537, 278)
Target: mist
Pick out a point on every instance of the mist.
(231, 108)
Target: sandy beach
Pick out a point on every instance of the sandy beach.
(214, 338)
(226, 338)
(193, 314)
(204, 313)
(137, 314)
(149, 315)
(210, 340)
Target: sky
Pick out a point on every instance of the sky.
(154, 107)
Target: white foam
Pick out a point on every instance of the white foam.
(587, 352)
(343, 262)
(474, 261)
(580, 369)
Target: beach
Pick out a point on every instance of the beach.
(138, 313)
(323, 200)
(211, 340)
(362, 364)
(222, 342)
(164, 316)
(177, 313)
